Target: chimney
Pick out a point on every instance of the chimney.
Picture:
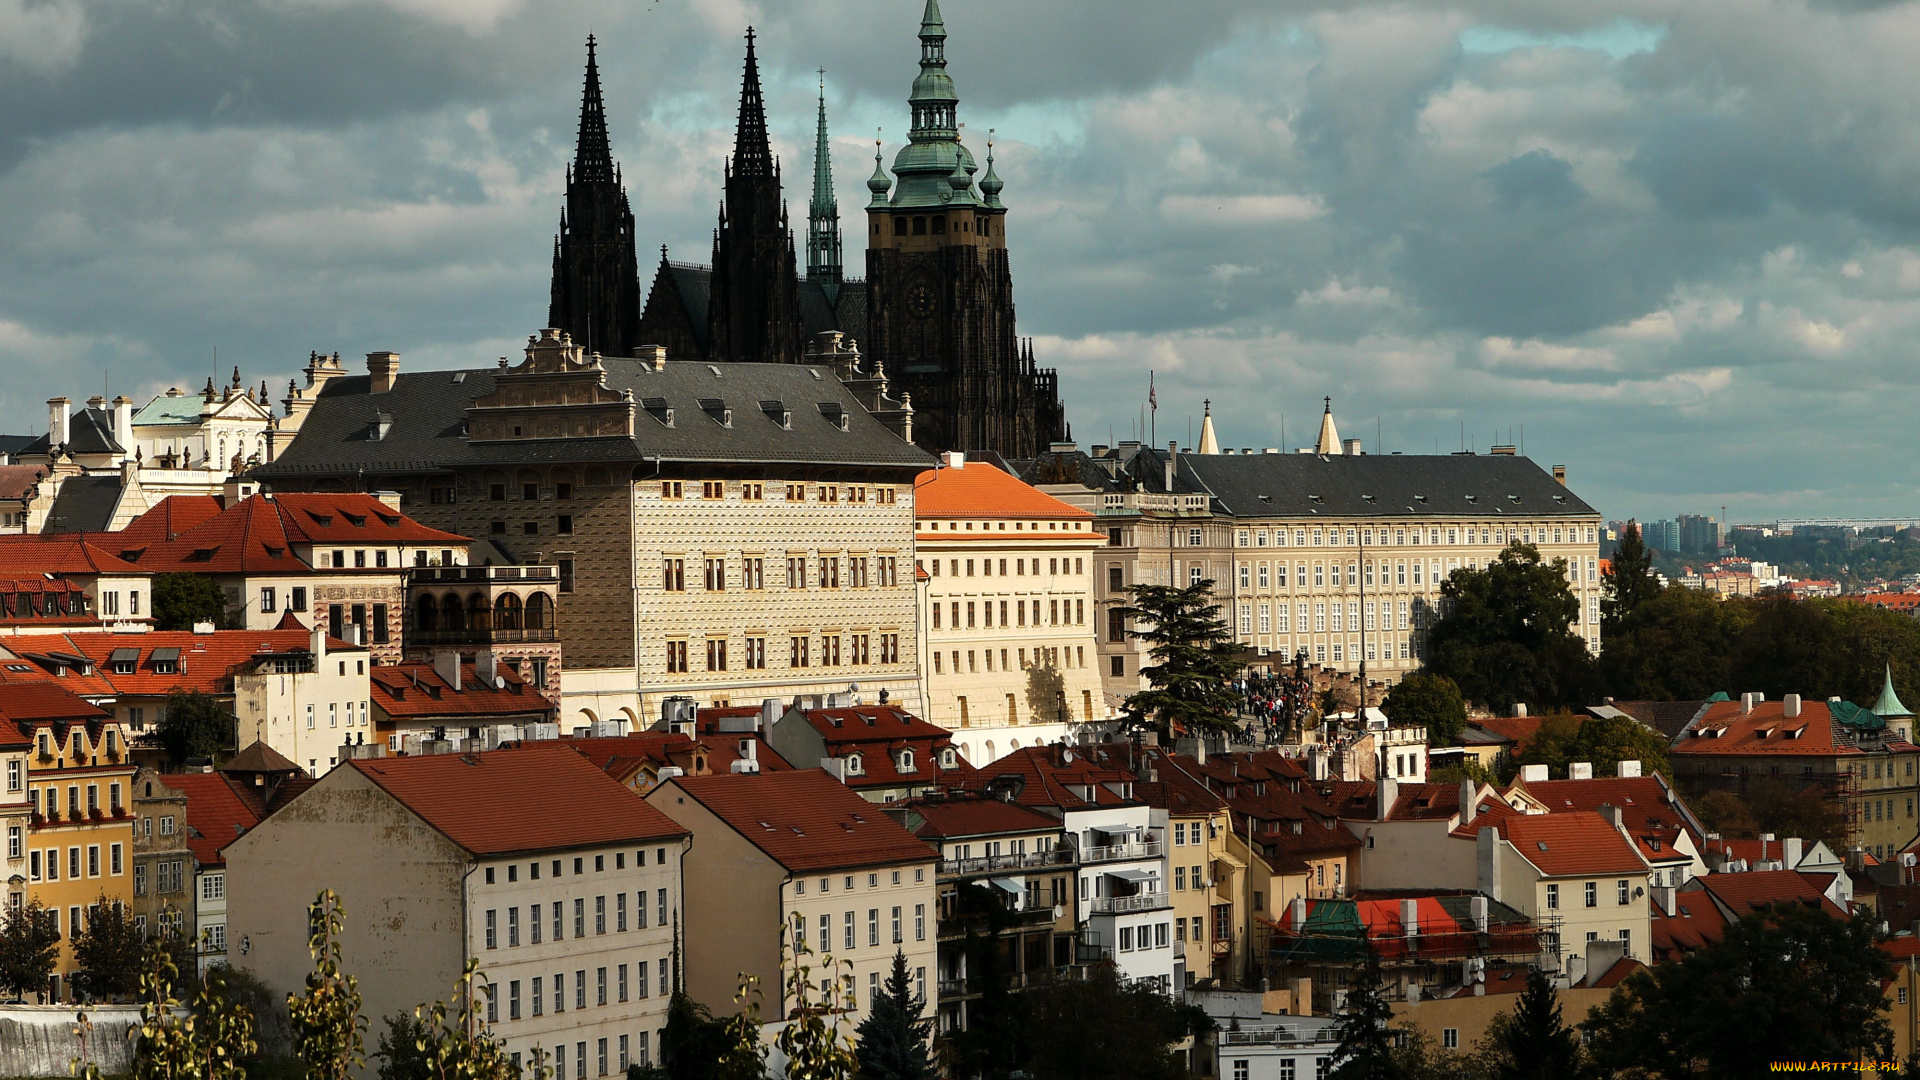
(1297, 912)
(1477, 905)
(1612, 815)
(654, 356)
(446, 664)
(1747, 702)
(1410, 917)
(1487, 861)
(318, 642)
(953, 459)
(1765, 839)
(1173, 452)
(1792, 850)
(123, 423)
(1520, 709)
(58, 411)
(1389, 791)
(1628, 769)
(769, 713)
(1199, 748)
(1663, 895)
(1579, 770)
(1533, 774)
(382, 369)
(1560, 475)
(1353, 448)
(1469, 804)
(1790, 706)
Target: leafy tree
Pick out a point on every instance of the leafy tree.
(813, 1040)
(29, 949)
(108, 953)
(1504, 638)
(183, 599)
(1677, 645)
(1789, 984)
(994, 1042)
(1468, 768)
(893, 1037)
(1427, 700)
(196, 725)
(464, 1046)
(1419, 1056)
(1366, 1047)
(208, 1043)
(1727, 814)
(327, 1025)
(1195, 660)
(1566, 737)
(402, 1052)
(1538, 1044)
(1771, 806)
(1629, 580)
(1095, 1029)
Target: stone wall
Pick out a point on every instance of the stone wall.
(41, 1040)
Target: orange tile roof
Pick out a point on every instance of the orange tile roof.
(206, 662)
(877, 733)
(257, 535)
(804, 820)
(17, 481)
(59, 553)
(1518, 728)
(980, 490)
(1766, 731)
(946, 817)
(1696, 922)
(620, 756)
(538, 797)
(31, 702)
(216, 815)
(1647, 806)
(415, 691)
(1577, 842)
(1757, 890)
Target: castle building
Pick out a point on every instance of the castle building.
(935, 315)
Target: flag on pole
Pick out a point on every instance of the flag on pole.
(1153, 401)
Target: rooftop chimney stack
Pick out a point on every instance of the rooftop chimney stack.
(383, 368)
(1173, 453)
(123, 423)
(1410, 917)
(1469, 804)
(1790, 706)
(58, 411)
(1792, 849)
(446, 664)
(1628, 769)
(1579, 770)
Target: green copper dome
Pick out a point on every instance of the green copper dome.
(931, 167)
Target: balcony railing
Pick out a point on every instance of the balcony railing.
(431, 575)
(986, 864)
(516, 636)
(1117, 852)
(1270, 1037)
(1120, 905)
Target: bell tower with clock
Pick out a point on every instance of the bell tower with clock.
(940, 314)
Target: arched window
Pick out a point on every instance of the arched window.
(906, 761)
(946, 758)
(451, 617)
(426, 613)
(990, 753)
(506, 612)
(479, 613)
(539, 612)
(855, 765)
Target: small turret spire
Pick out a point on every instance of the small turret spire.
(592, 155)
(1329, 440)
(751, 154)
(823, 211)
(991, 184)
(879, 183)
(1209, 441)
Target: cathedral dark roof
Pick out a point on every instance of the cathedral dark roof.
(1372, 485)
(695, 285)
(429, 416)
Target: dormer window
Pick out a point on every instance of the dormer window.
(855, 765)
(906, 761)
(947, 758)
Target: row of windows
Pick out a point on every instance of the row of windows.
(1403, 537)
(1274, 575)
(80, 862)
(635, 1052)
(1590, 893)
(824, 572)
(756, 491)
(170, 875)
(834, 650)
(1322, 1066)
(1022, 566)
(850, 936)
(1046, 656)
(46, 800)
(1059, 612)
(110, 602)
(534, 922)
(579, 865)
(1277, 618)
(609, 986)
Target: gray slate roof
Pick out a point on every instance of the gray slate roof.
(89, 431)
(429, 413)
(84, 503)
(1392, 485)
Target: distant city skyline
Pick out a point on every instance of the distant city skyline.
(1636, 229)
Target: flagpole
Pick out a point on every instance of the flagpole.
(1153, 407)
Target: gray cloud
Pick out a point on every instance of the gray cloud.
(1675, 241)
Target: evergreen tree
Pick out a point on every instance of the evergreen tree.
(1366, 1047)
(1195, 660)
(1629, 580)
(29, 949)
(1538, 1044)
(401, 1054)
(893, 1037)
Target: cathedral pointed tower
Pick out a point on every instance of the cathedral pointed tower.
(595, 291)
(940, 314)
(823, 211)
(755, 309)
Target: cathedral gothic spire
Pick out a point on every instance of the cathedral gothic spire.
(823, 211)
(595, 288)
(755, 310)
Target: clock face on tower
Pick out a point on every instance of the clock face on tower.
(920, 302)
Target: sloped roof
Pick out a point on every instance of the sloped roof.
(1668, 718)
(1577, 842)
(941, 818)
(216, 814)
(1765, 731)
(1450, 486)
(89, 431)
(171, 408)
(258, 534)
(1646, 804)
(1045, 777)
(538, 797)
(205, 662)
(415, 691)
(1360, 800)
(1757, 890)
(1518, 729)
(980, 490)
(84, 503)
(804, 820)
(1696, 922)
(43, 553)
(430, 411)
(16, 481)
(28, 702)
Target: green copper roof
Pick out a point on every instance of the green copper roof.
(823, 211)
(170, 409)
(1888, 706)
(933, 157)
(991, 184)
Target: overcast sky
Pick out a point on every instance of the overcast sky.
(1674, 241)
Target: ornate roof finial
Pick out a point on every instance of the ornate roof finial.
(879, 183)
(991, 184)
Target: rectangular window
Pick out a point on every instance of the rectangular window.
(599, 914)
(1593, 894)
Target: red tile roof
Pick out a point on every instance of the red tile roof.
(1757, 890)
(60, 553)
(206, 662)
(1572, 843)
(1360, 800)
(980, 490)
(878, 733)
(1722, 731)
(216, 815)
(804, 820)
(258, 534)
(955, 817)
(1648, 807)
(620, 756)
(1518, 728)
(415, 691)
(18, 481)
(1056, 776)
(1614, 975)
(1696, 922)
(538, 797)
(30, 702)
